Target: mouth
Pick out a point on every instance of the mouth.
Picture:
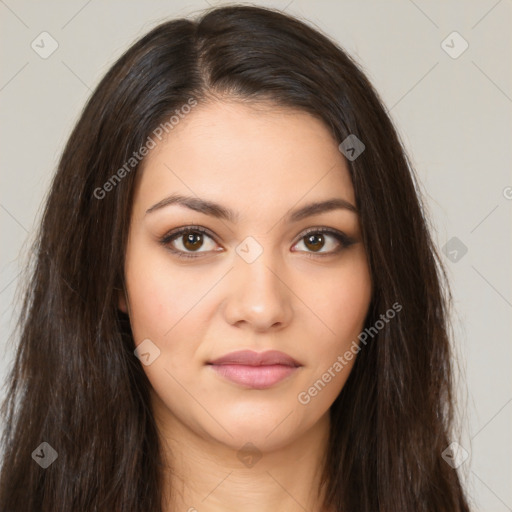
(255, 370)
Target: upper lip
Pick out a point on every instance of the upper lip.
(250, 358)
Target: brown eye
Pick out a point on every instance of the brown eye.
(323, 242)
(192, 241)
(189, 242)
(314, 242)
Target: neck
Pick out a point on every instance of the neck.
(204, 475)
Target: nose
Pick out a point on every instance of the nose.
(258, 296)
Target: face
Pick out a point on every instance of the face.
(228, 253)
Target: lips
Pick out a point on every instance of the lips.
(255, 370)
(250, 358)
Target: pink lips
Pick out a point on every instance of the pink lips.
(255, 370)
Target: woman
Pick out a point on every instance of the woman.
(235, 302)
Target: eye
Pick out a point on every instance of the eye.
(192, 241)
(188, 241)
(323, 242)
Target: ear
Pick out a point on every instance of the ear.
(121, 301)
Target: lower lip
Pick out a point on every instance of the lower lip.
(255, 377)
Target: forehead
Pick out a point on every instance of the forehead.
(244, 154)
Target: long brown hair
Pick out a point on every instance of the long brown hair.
(76, 384)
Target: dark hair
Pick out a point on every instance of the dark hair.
(76, 384)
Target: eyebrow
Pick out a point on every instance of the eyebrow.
(221, 212)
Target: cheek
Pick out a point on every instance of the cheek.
(342, 298)
(160, 296)
(169, 306)
(350, 299)
(151, 302)
(342, 303)
(164, 304)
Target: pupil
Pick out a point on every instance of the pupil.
(315, 242)
(193, 241)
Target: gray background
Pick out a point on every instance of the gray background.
(454, 115)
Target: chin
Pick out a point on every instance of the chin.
(267, 432)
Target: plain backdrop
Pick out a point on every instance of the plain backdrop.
(451, 104)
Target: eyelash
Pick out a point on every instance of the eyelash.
(344, 240)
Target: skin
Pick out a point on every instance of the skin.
(306, 300)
